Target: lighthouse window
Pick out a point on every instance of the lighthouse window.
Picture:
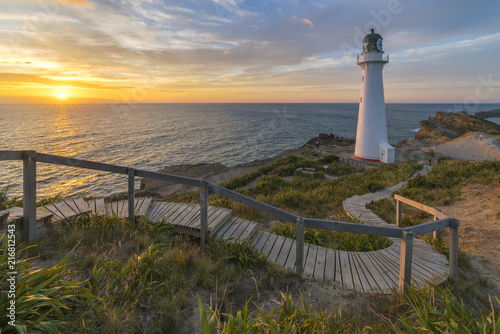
(360, 99)
(363, 78)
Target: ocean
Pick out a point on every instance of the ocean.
(152, 136)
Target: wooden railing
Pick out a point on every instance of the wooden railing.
(441, 221)
(30, 158)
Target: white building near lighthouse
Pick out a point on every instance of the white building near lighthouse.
(371, 136)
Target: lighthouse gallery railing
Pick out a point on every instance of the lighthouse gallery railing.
(30, 158)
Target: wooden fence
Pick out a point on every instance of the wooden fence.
(30, 158)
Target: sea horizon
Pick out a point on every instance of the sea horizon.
(152, 136)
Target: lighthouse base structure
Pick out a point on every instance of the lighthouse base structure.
(387, 154)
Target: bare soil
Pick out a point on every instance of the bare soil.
(478, 210)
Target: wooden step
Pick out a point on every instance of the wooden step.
(186, 217)
(67, 209)
(15, 217)
(236, 229)
(120, 208)
(97, 206)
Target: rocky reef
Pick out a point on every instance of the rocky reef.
(446, 126)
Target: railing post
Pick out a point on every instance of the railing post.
(399, 213)
(454, 234)
(435, 234)
(29, 195)
(299, 258)
(405, 260)
(131, 195)
(203, 213)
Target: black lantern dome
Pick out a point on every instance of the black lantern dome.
(372, 42)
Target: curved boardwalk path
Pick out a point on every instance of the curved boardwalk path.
(427, 264)
(370, 272)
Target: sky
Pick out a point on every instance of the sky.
(200, 51)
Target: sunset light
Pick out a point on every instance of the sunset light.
(175, 51)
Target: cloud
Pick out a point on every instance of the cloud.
(38, 80)
(76, 2)
(305, 21)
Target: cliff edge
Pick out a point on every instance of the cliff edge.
(446, 126)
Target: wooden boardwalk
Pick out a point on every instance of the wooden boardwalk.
(369, 272)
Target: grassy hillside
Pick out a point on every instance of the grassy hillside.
(109, 275)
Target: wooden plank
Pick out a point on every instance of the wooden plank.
(65, 210)
(369, 283)
(240, 229)
(224, 216)
(143, 207)
(232, 228)
(275, 251)
(269, 245)
(290, 261)
(358, 285)
(386, 268)
(310, 261)
(249, 230)
(184, 218)
(174, 211)
(417, 270)
(319, 268)
(52, 209)
(347, 279)
(223, 229)
(165, 210)
(70, 203)
(330, 264)
(217, 217)
(378, 279)
(261, 241)
(100, 206)
(81, 205)
(338, 270)
(285, 251)
(157, 211)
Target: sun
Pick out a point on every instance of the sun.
(61, 95)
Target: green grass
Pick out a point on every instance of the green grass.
(118, 276)
(435, 310)
(443, 184)
(313, 195)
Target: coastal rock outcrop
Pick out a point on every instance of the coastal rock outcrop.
(446, 126)
(331, 139)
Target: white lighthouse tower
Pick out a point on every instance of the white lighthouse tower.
(371, 137)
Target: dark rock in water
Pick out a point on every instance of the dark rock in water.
(446, 126)
(331, 139)
(489, 113)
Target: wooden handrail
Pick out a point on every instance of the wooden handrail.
(438, 214)
(441, 221)
(406, 235)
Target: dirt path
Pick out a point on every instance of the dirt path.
(479, 213)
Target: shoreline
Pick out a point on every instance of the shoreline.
(216, 172)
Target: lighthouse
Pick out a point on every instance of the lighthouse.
(371, 136)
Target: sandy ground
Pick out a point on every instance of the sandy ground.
(471, 146)
(479, 213)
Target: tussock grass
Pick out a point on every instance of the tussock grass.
(442, 185)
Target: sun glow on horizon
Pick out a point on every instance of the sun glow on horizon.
(62, 95)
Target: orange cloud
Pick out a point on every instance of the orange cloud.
(305, 21)
(77, 2)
